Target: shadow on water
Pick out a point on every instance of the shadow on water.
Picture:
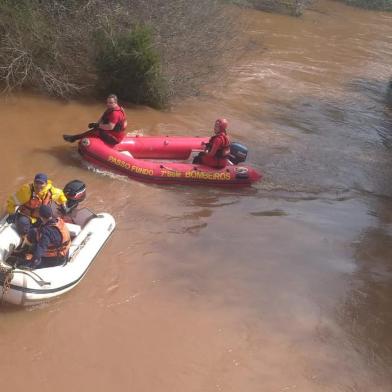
(364, 107)
(275, 212)
(374, 89)
(365, 313)
(380, 93)
(8, 308)
(210, 194)
(200, 203)
(389, 97)
(333, 142)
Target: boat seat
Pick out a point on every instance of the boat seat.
(194, 153)
(74, 230)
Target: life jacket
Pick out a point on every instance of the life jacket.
(224, 150)
(62, 249)
(118, 132)
(32, 206)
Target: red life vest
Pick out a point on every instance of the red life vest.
(224, 150)
(62, 249)
(32, 206)
(118, 132)
(219, 160)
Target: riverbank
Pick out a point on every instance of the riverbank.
(145, 51)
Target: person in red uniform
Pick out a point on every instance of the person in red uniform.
(112, 124)
(217, 148)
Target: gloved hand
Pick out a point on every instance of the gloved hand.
(70, 138)
(11, 218)
(93, 125)
(34, 263)
(23, 262)
(19, 262)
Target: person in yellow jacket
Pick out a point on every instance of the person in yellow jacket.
(30, 197)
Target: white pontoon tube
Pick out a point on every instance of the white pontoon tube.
(89, 232)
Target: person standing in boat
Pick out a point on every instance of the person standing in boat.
(30, 197)
(217, 148)
(50, 242)
(112, 124)
(23, 227)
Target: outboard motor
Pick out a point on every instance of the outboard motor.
(75, 191)
(238, 153)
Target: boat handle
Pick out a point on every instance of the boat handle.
(167, 168)
(33, 276)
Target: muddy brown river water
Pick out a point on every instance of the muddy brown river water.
(285, 286)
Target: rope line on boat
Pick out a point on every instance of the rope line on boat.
(80, 246)
(33, 275)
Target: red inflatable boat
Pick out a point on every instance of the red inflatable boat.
(158, 159)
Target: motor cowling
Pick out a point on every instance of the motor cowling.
(75, 192)
(238, 153)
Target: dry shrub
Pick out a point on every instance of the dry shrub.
(195, 39)
(31, 38)
(47, 44)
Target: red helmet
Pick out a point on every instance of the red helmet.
(221, 125)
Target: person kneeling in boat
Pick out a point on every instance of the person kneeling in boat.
(217, 148)
(23, 227)
(50, 242)
(112, 124)
(30, 197)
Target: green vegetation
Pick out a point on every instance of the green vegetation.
(128, 64)
(146, 51)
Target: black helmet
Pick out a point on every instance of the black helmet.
(75, 192)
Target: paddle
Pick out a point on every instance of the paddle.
(73, 138)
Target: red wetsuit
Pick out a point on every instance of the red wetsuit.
(218, 149)
(117, 117)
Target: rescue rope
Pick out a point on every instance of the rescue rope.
(80, 246)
